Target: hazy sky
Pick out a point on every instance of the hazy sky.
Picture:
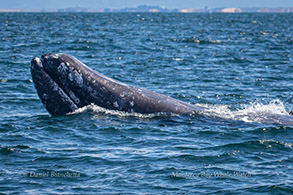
(114, 4)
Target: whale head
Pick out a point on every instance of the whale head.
(57, 79)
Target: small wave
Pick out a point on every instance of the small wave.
(197, 41)
(5, 150)
(272, 113)
(271, 142)
(253, 145)
(103, 111)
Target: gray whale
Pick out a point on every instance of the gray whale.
(65, 84)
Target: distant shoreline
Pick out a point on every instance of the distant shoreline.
(156, 9)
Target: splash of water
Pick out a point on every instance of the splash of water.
(103, 111)
(272, 113)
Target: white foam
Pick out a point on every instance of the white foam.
(255, 112)
(272, 113)
(103, 111)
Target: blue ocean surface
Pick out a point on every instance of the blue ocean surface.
(238, 65)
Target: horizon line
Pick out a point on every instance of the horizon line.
(147, 8)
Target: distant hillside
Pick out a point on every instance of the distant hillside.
(146, 8)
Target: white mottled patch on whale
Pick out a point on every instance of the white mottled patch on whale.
(73, 96)
(127, 94)
(90, 89)
(131, 103)
(55, 56)
(45, 96)
(115, 104)
(62, 68)
(74, 76)
(56, 88)
(70, 76)
(122, 94)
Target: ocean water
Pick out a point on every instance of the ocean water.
(239, 65)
